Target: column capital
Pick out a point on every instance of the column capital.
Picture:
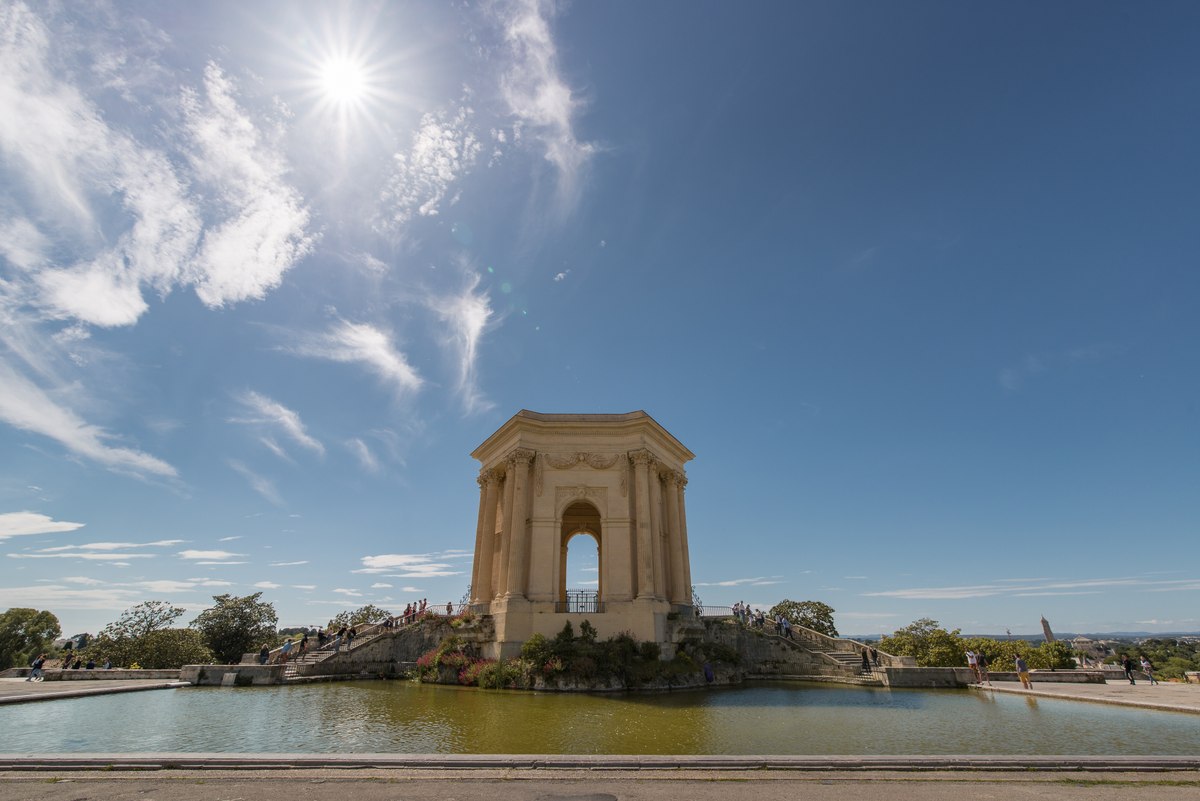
(487, 476)
(642, 458)
(520, 456)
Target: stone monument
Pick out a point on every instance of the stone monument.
(548, 478)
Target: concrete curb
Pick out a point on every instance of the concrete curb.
(80, 692)
(1089, 698)
(219, 761)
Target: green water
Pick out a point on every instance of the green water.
(402, 717)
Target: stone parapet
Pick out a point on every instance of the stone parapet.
(96, 674)
(231, 675)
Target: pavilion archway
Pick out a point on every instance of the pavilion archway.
(580, 520)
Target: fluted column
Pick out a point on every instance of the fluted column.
(679, 593)
(481, 580)
(683, 538)
(500, 585)
(518, 549)
(645, 551)
(657, 533)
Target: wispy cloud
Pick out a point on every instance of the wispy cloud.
(467, 315)
(1046, 587)
(259, 484)
(760, 581)
(366, 345)
(259, 410)
(264, 233)
(536, 92)
(289, 564)
(444, 148)
(364, 455)
(208, 555)
(19, 524)
(267, 585)
(1015, 376)
(410, 565)
(25, 406)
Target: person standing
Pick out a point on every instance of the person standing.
(264, 654)
(973, 664)
(866, 661)
(1023, 673)
(303, 644)
(350, 635)
(286, 651)
(981, 664)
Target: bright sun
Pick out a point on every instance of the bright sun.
(343, 81)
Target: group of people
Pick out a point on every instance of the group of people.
(1128, 665)
(37, 667)
(292, 649)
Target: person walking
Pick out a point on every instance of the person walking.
(1127, 666)
(286, 651)
(981, 663)
(35, 673)
(866, 661)
(1023, 673)
(1148, 669)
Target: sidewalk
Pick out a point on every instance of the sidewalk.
(19, 691)
(1169, 697)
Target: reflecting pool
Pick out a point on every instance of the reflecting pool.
(403, 717)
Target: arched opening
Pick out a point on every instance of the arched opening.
(580, 585)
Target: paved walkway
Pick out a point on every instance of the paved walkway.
(585, 785)
(19, 691)
(1171, 697)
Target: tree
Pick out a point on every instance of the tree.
(809, 614)
(158, 650)
(145, 618)
(25, 633)
(364, 614)
(141, 635)
(236, 626)
(931, 645)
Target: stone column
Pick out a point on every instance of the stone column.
(657, 526)
(500, 583)
(679, 593)
(481, 580)
(518, 549)
(645, 543)
(683, 538)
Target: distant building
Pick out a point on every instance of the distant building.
(1046, 629)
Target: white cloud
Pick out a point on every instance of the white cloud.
(759, 581)
(289, 564)
(84, 580)
(263, 411)
(259, 484)
(304, 586)
(359, 343)
(24, 405)
(111, 546)
(91, 556)
(267, 585)
(364, 455)
(229, 539)
(536, 92)
(193, 554)
(409, 565)
(246, 255)
(348, 593)
(444, 148)
(379, 585)
(467, 314)
(1047, 587)
(19, 524)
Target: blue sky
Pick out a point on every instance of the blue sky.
(916, 282)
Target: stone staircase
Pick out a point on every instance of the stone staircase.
(370, 633)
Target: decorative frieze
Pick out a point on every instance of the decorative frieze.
(566, 461)
(580, 492)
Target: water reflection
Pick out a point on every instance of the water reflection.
(400, 717)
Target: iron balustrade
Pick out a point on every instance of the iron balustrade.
(581, 602)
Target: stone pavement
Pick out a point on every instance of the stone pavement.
(1170, 697)
(589, 785)
(18, 691)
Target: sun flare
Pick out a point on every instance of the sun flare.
(343, 81)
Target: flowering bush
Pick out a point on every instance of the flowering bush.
(552, 666)
(470, 674)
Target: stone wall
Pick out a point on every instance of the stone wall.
(387, 654)
(761, 654)
(113, 674)
(231, 675)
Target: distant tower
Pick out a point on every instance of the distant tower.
(1046, 629)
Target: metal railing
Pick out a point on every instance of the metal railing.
(581, 602)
